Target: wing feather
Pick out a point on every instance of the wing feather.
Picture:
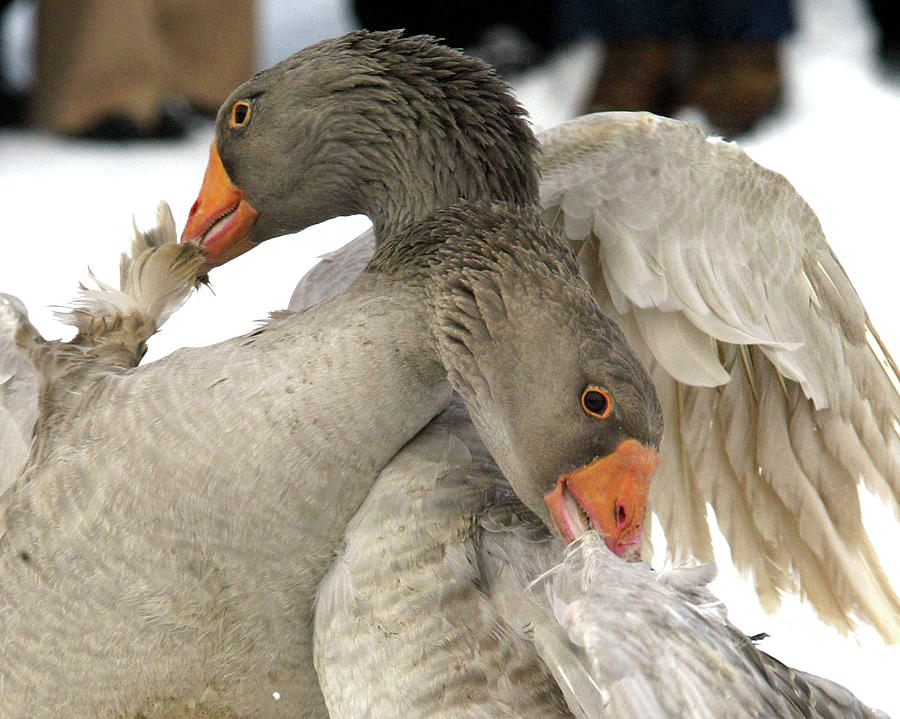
(687, 353)
(717, 482)
(778, 397)
(334, 272)
(20, 384)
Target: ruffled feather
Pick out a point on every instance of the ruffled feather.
(732, 286)
(778, 396)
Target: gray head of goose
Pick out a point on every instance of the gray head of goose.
(370, 123)
(535, 357)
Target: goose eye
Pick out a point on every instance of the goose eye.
(240, 114)
(596, 402)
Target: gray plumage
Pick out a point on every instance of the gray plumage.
(431, 609)
(176, 578)
(20, 383)
(778, 395)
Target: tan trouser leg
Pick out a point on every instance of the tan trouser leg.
(101, 57)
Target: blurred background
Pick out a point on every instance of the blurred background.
(105, 108)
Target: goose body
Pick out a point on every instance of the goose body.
(779, 397)
(161, 576)
(176, 579)
(406, 622)
(113, 326)
(449, 598)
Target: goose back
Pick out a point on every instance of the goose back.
(170, 546)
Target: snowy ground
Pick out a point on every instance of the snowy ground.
(67, 205)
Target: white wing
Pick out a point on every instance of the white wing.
(20, 383)
(778, 397)
(334, 272)
(630, 642)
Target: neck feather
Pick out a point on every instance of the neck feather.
(450, 130)
(470, 261)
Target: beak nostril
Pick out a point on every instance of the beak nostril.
(194, 207)
(621, 515)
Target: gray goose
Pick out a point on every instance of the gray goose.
(426, 610)
(160, 554)
(431, 609)
(777, 393)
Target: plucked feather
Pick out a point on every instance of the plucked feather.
(113, 326)
(155, 278)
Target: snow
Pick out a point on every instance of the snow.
(68, 205)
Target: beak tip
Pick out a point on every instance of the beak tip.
(221, 219)
(628, 548)
(608, 495)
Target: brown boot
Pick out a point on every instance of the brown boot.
(635, 76)
(736, 84)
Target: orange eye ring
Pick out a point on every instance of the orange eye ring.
(596, 402)
(240, 114)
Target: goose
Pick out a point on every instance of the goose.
(425, 613)
(448, 599)
(161, 548)
(779, 397)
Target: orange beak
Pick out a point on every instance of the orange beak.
(221, 219)
(609, 495)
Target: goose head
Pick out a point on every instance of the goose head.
(560, 401)
(370, 123)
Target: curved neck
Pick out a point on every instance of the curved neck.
(405, 184)
(445, 128)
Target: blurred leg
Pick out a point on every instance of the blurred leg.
(638, 40)
(885, 13)
(459, 23)
(508, 34)
(210, 46)
(737, 79)
(12, 102)
(740, 20)
(96, 58)
(618, 19)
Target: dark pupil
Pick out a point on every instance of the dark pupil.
(595, 402)
(240, 114)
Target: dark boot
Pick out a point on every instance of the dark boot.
(736, 83)
(636, 75)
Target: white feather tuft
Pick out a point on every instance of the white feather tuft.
(155, 278)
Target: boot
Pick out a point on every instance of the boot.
(736, 84)
(636, 75)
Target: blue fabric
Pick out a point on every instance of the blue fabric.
(697, 19)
